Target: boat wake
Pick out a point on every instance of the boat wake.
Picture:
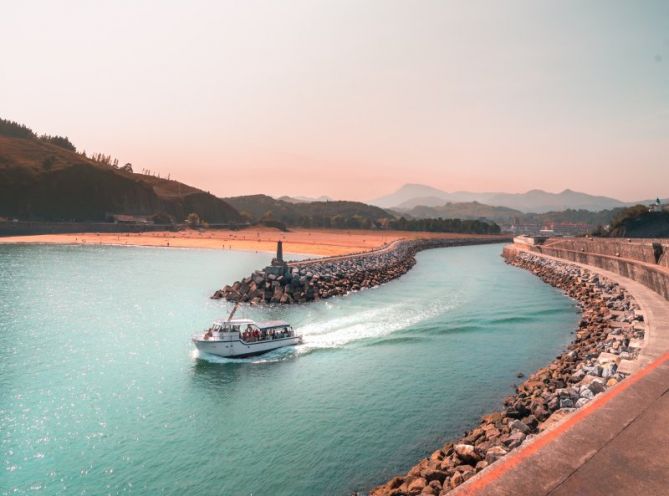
(372, 323)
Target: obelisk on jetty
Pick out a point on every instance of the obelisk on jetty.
(278, 260)
(278, 265)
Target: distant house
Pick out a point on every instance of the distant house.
(518, 228)
(570, 228)
(530, 240)
(129, 219)
(656, 206)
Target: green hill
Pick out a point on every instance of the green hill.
(341, 214)
(44, 178)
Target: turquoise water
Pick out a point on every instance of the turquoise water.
(101, 391)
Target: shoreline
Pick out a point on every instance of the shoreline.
(606, 341)
(137, 245)
(314, 242)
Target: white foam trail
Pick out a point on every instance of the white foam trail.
(371, 323)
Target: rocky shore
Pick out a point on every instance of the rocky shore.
(608, 334)
(310, 280)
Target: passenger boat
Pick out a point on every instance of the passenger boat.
(242, 338)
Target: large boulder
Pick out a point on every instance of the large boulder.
(468, 453)
(495, 453)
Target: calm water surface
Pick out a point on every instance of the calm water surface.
(101, 391)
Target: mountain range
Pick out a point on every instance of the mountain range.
(535, 201)
(305, 199)
(45, 178)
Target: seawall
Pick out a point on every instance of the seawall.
(642, 260)
(311, 280)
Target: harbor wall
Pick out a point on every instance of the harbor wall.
(645, 261)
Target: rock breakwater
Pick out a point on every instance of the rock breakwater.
(310, 280)
(609, 334)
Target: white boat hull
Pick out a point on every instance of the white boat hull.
(241, 349)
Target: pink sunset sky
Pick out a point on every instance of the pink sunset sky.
(352, 99)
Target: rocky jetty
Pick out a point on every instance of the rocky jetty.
(608, 334)
(310, 280)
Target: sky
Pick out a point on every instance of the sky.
(352, 99)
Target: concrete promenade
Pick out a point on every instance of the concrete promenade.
(616, 445)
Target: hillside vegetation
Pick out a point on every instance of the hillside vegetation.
(638, 222)
(346, 215)
(44, 178)
(339, 214)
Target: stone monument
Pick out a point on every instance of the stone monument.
(278, 265)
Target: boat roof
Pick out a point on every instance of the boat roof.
(269, 324)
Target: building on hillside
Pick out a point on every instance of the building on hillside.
(518, 228)
(656, 206)
(549, 229)
(129, 219)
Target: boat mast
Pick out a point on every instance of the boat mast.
(234, 309)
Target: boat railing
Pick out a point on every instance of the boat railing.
(262, 336)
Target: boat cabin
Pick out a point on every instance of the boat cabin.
(249, 331)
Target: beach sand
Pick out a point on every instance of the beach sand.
(320, 242)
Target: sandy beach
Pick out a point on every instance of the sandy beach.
(324, 242)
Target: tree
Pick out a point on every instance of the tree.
(127, 167)
(60, 141)
(48, 162)
(15, 130)
(193, 219)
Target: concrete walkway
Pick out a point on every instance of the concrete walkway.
(618, 444)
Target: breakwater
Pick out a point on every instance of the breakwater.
(608, 336)
(310, 280)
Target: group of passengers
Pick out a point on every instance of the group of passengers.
(252, 334)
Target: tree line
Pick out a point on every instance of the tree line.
(465, 226)
(360, 222)
(16, 130)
